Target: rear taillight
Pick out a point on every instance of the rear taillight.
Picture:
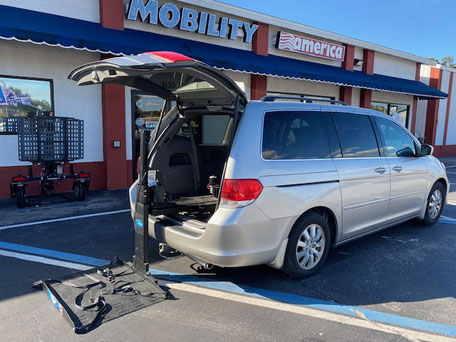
(240, 192)
(84, 175)
(137, 165)
(19, 179)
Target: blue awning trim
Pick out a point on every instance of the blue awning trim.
(42, 28)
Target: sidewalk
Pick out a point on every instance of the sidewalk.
(96, 201)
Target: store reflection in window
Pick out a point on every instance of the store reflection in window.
(400, 112)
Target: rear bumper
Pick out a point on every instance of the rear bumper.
(231, 238)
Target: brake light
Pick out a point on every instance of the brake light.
(240, 192)
(137, 165)
(169, 55)
(20, 179)
(84, 175)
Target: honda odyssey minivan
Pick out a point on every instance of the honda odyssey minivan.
(239, 183)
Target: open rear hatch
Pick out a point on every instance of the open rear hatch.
(169, 75)
(204, 98)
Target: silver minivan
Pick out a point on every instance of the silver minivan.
(277, 181)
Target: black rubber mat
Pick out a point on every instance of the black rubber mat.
(89, 298)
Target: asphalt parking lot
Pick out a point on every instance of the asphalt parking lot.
(398, 284)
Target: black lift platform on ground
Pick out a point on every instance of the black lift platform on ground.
(88, 298)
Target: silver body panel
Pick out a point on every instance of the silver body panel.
(362, 200)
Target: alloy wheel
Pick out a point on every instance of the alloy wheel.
(310, 246)
(435, 204)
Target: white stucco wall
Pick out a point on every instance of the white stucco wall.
(441, 118)
(30, 60)
(276, 84)
(240, 77)
(422, 104)
(88, 10)
(356, 97)
(394, 66)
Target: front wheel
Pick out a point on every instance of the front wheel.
(434, 205)
(308, 246)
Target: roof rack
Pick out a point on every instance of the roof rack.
(272, 98)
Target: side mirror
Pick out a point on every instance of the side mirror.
(406, 152)
(426, 150)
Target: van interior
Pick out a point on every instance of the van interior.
(188, 159)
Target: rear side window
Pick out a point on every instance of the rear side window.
(397, 142)
(356, 135)
(294, 135)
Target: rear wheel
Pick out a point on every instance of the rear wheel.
(434, 205)
(308, 246)
(20, 197)
(79, 191)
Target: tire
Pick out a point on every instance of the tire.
(434, 204)
(20, 197)
(79, 192)
(304, 247)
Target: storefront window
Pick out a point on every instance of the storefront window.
(23, 97)
(400, 112)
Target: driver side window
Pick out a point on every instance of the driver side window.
(397, 142)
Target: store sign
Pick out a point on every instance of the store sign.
(308, 46)
(187, 19)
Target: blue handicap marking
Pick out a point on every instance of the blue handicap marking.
(139, 223)
(446, 219)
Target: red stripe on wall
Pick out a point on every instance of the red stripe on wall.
(348, 63)
(368, 68)
(112, 14)
(447, 117)
(445, 151)
(258, 86)
(433, 107)
(345, 93)
(260, 40)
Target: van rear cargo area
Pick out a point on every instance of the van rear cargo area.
(189, 160)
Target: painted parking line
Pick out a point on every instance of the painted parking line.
(46, 261)
(288, 298)
(362, 318)
(244, 292)
(446, 219)
(81, 259)
(19, 225)
(359, 321)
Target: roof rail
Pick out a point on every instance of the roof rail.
(272, 98)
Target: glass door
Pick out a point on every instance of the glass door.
(146, 111)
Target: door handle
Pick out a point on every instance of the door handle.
(380, 170)
(397, 168)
